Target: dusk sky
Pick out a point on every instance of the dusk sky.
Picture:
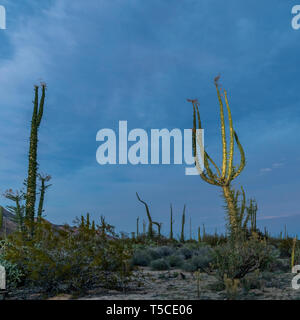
(111, 60)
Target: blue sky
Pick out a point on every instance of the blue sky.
(133, 60)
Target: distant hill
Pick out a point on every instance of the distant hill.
(9, 225)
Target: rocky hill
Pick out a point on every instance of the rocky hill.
(9, 225)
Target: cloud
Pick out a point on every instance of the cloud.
(275, 165)
(277, 216)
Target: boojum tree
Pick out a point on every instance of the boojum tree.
(38, 109)
(43, 187)
(224, 175)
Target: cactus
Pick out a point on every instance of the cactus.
(182, 225)
(144, 226)
(1, 217)
(43, 187)
(137, 226)
(293, 252)
(199, 235)
(252, 209)
(204, 234)
(171, 222)
(32, 157)
(285, 232)
(223, 176)
(190, 228)
(242, 219)
(231, 287)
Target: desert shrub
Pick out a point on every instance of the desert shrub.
(70, 260)
(214, 240)
(14, 275)
(236, 259)
(251, 281)
(141, 258)
(189, 266)
(153, 253)
(175, 260)
(186, 252)
(164, 251)
(202, 261)
(285, 247)
(159, 265)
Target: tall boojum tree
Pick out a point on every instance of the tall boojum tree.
(37, 115)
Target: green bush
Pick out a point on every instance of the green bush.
(141, 258)
(70, 260)
(164, 251)
(14, 275)
(159, 265)
(285, 247)
(186, 252)
(189, 266)
(236, 259)
(175, 260)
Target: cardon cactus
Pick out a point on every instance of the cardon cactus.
(224, 175)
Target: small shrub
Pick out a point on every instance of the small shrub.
(201, 261)
(285, 247)
(153, 253)
(252, 281)
(159, 265)
(164, 251)
(236, 259)
(141, 258)
(14, 275)
(189, 266)
(186, 252)
(176, 260)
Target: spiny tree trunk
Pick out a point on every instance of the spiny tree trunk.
(33, 165)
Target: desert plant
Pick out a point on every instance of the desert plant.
(175, 260)
(70, 259)
(171, 222)
(252, 210)
(186, 252)
(223, 176)
(43, 179)
(141, 258)
(236, 259)
(159, 265)
(151, 222)
(198, 283)
(19, 208)
(137, 226)
(182, 225)
(32, 156)
(199, 235)
(231, 287)
(285, 246)
(1, 217)
(293, 252)
(14, 275)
